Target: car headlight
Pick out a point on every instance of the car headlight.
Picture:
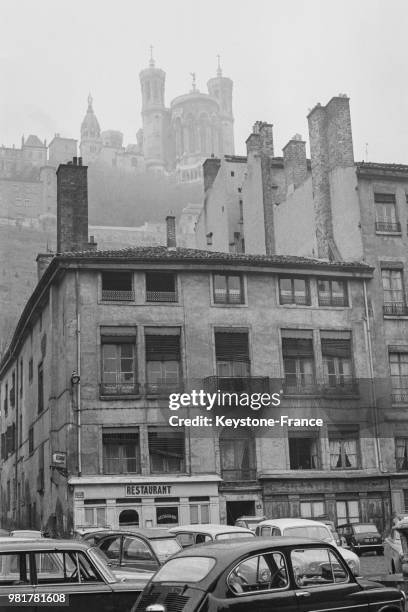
(353, 565)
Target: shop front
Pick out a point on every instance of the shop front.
(114, 501)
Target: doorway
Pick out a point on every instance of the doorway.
(235, 509)
(128, 518)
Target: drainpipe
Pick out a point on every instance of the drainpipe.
(78, 370)
(16, 436)
(379, 462)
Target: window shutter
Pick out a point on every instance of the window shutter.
(162, 348)
(118, 335)
(297, 347)
(231, 346)
(336, 344)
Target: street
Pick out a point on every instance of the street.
(373, 565)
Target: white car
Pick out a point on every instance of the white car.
(189, 535)
(305, 528)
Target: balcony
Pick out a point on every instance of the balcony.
(119, 389)
(236, 384)
(115, 295)
(395, 309)
(340, 385)
(399, 390)
(300, 384)
(161, 296)
(391, 227)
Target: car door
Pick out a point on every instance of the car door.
(15, 582)
(259, 582)
(136, 554)
(324, 582)
(68, 577)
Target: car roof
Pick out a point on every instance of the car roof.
(10, 544)
(250, 517)
(210, 528)
(150, 534)
(359, 523)
(291, 522)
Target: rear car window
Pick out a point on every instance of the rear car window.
(314, 532)
(165, 548)
(235, 534)
(365, 529)
(185, 569)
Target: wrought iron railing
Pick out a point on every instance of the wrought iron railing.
(340, 384)
(399, 389)
(388, 226)
(396, 309)
(300, 384)
(161, 296)
(300, 300)
(114, 295)
(232, 296)
(236, 384)
(120, 388)
(333, 300)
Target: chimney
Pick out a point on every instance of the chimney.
(211, 167)
(171, 232)
(295, 162)
(72, 207)
(261, 138)
(43, 261)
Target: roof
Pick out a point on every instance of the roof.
(33, 141)
(10, 544)
(211, 529)
(291, 522)
(381, 169)
(149, 534)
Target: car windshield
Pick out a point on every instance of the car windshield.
(185, 569)
(231, 535)
(365, 528)
(165, 548)
(315, 532)
(102, 561)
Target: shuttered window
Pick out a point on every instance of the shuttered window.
(298, 360)
(336, 353)
(232, 354)
(166, 450)
(162, 348)
(162, 359)
(121, 452)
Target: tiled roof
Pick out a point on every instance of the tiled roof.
(375, 166)
(162, 253)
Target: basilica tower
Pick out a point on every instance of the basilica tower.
(91, 143)
(220, 88)
(154, 116)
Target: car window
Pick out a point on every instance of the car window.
(365, 529)
(276, 531)
(185, 539)
(260, 573)
(111, 547)
(200, 538)
(240, 524)
(314, 532)
(184, 569)
(265, 531)
(317, 566)
(14, 569)
(64, 567)
(134, 549)
(232, 535)
(165, 547)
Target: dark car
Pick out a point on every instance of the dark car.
(362, 537)
(281, 573)
(139, 549)
(34, 573)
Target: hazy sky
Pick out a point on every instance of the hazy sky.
(283, 56)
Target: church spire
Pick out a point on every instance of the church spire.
(219, 70)
(90, 100)
(151, 61)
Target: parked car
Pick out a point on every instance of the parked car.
(135, 550)
(26, 533)
(362, 537)
(340, 541)
(189, 535)
(259, 575)
(61, 572)
(249, 522)
(393, 553)
(306, 528)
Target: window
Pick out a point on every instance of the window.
(332, 292)
(167, 515)
(228, 289)
(298, 361)
(237, 450)
(385, 213)
(13, 390)
(30, 370)
(161, 287)
(21, 377)
(118, 361)
(121, 451)
(399, 377)
(294, 291)
(166, 450)
(64, 567)
(343, 447)
(347, 511)
(6, 399)
(401, 454)
(136, 552)
(162, 359)
(394, 295)
(312, 509)
(232, 173)
(199, 510)
(117, 286)
(31, 440)
(95, 516)
(40, 388)
(260, 573)
(337, 365)
(14, 569)
(328, 568)
(303, 451)
(232, 354)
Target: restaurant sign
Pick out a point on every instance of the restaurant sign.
(133, 490)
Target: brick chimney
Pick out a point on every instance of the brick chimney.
(72, 207)
(171, 231)
(331, 147)
(295, 162)
(43, 261)
(211, 167)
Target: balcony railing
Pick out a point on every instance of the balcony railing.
(161, 296)
(340, 385)
(163, 388)
(114, 295)
(396, 309)
(399, 389)
(236, 384)
(122, 388)
(333, 300)
(239, 474)
(232, 296)
(300, 300)
(302, 384)
(388, 226)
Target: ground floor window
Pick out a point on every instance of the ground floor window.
(167, 515)
(199, 510)
(129, 517)
(312, 509)
(95, 516)
(348, 511)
